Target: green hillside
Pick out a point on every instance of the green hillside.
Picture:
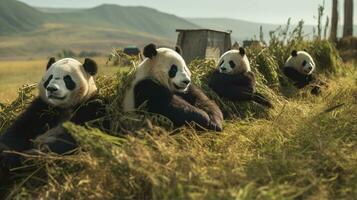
(136, 19)
(57, 10)
(18, 17)
(44, 32)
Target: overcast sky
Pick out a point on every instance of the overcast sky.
(268, 11)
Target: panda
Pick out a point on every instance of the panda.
(234, 80)
(67, 92)
(163, 83)
(299, 68)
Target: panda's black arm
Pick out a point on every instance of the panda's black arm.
(34, 121)
(225, 85)
(92, 109)
(160, 100)
(300, 80)
(196, 97)
(219, 78)
(243, 79)
(234, 92)
(57, 140)
(60, 141)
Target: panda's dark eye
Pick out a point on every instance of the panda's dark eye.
(304, 63)
(173, 71)
(221, 63)
(70, 84)
(232, 64)
(45, 84)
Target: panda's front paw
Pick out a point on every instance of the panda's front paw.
(316, 90)
(201, 116)
(215, 126)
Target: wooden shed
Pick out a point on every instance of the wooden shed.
(203, 43)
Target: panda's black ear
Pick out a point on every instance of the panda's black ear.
(178, 50)
(90, 66)
(50, 62)
(150, 51)
(241, 51)
(294, 53)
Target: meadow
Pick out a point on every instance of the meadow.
(303, 148)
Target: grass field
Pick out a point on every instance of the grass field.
(303, 148)
(14, 74)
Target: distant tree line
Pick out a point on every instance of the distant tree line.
(67, 53)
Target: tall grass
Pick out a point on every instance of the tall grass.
(304, 148)
(307, 150)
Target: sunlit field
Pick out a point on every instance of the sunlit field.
(303, 148)
(301, 145)
(14, 74)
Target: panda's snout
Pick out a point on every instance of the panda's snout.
(187, 81)
(223, 68)
(51, 89)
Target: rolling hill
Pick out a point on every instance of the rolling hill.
(136, 19)
(26, 31)
(16, 17)
(41, 32)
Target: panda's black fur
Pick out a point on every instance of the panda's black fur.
(190, 106)
(237, 87)
(41, 118)
(300, 80)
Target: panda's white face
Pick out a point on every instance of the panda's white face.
(163, 65)
(234, 62)
(66, 84)
(170, 69)
(302, 62)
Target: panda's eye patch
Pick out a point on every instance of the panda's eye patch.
(173, 71)
(221, 63)
(232, 64)
(304, 63)
(70, 84)
(45, 84)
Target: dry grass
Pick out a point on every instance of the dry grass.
(304, 148)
